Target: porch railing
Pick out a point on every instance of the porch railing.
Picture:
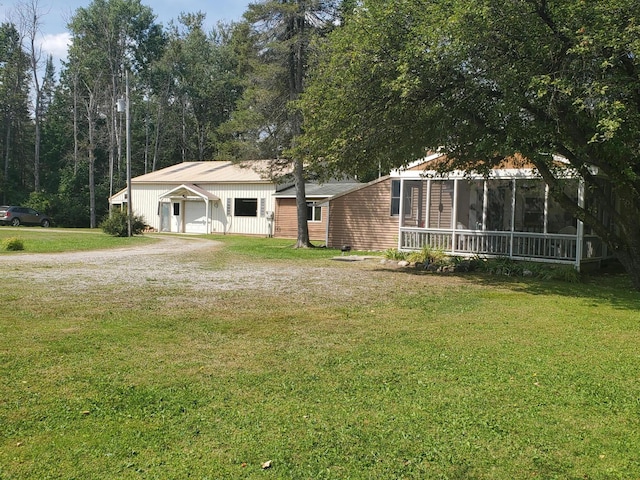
(520, 245)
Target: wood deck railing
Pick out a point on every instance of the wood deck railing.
(519, 245)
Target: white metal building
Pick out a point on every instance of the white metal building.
(205, 197)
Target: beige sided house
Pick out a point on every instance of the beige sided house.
(286, 219)
(510, 213)
(205, 197)
(365, 218)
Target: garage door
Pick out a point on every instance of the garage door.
(195, 220)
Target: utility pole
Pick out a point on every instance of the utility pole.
(123, 104)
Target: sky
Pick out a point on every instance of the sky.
(57, 13)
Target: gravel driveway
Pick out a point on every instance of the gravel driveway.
(173, 262)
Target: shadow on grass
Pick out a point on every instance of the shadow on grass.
(609, 286)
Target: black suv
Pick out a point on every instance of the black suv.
(15, 216)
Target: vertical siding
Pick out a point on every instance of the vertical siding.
(145, 202)
(362, 219)
(146, 198)
(286, 221)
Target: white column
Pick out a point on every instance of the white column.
(454, 215)
(546, 209)
(580, 229)
(485, 201)
(427, 217)
(513, 214)
(401, 214)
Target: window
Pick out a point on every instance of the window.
(176, 209)
(314, 212)
(246, 207)
(395, 197)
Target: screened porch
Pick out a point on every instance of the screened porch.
(512, 216)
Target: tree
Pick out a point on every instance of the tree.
(30, 15)
(14, 93)
(278, 44)
(109, 37)
(486, 79)
(203, 77)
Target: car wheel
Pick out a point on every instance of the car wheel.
(15, 222)
(45, 223)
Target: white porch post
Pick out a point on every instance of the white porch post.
(207, 210)
(427, 216)
(401, 214)
(580, 229)
(485, 201)
(513, 215)
(454, 216)
(546, 209)
(183, 222)
(420, 209)
(326, 226)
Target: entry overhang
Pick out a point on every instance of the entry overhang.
(190, 190)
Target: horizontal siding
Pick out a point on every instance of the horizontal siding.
(286, 221)
(441, 196)
(362, 220)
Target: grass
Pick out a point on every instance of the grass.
(442, 377)
(272, 248)
(51, 240)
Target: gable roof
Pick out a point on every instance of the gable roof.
(357, 187)
(208, 172)
(189, 189)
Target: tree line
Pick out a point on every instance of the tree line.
(62, 137)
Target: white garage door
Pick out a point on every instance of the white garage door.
(195, 220)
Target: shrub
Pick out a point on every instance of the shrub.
(512, 268)
(13, 244)
(428, 255)
(116, 224)
(395, 254)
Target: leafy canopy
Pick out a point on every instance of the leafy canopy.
(483, 80)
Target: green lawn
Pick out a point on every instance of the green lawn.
(54, 240)
(421, 377)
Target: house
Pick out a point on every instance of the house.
(366, 217)
(509, 213)
(205, 197)
(286, 220)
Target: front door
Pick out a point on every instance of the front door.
(165, 217)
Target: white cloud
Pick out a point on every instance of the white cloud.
(56, 44)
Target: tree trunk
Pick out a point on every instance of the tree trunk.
(7, 158)
(30, 16)
(92, 160)
(301, 204)
(630, 259)
(76, 141)
(628, 247)
(156, 142)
